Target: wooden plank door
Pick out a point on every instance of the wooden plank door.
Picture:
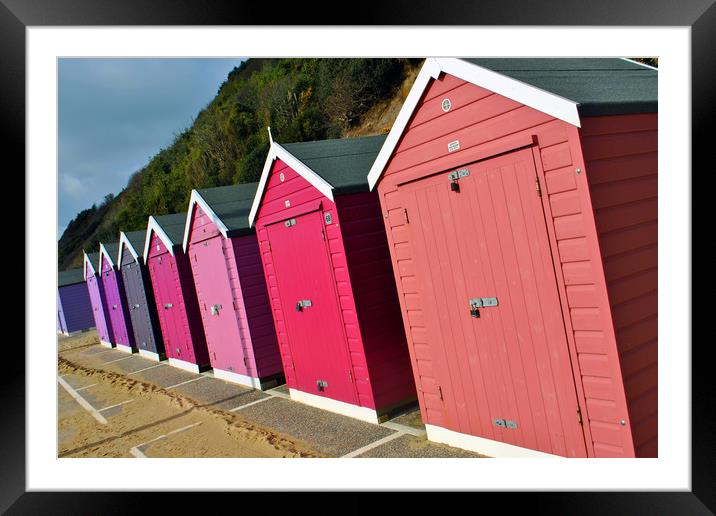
(137, 305)
(507, 373)
(303, 271)
(216, 303)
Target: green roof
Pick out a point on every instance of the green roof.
(137, 239)
(70, 277)
(232, 205)
(601, 86)
(94, 259)
(343, 163)
(173, 226)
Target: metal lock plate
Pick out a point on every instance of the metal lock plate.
(168, 305)
(303, 303)
(328, 218)
(457, 174)
(321, 385)
(482, 302)
(215, 309)
(499, 422)
(511, 424)
(289, 223)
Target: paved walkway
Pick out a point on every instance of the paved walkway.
(109, 406)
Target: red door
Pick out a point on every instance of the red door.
(505, 370)
(216, 302)
(310, 307)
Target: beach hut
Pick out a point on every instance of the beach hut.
(74, 309)
(140, 297)
(174, 293)
(520, 202)
(230, 286)
(327, 265)
(97, 300)
(116, 299)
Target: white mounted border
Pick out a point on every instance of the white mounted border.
(240, 379)
(338, 407)
(87, 261)
(124, 241)
(483, 446)
(153, 226)
(183, 364)
(276, 151)
(151, 355)
(103, 252)
(554, 105)
(196, 198)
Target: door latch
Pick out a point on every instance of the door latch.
(215, 309)
(480, 302)
(321, 385)
(300, 305)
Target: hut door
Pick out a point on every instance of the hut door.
(485, 268)
(169, 307)
(216, 301)
(138, 310)
(310, 307)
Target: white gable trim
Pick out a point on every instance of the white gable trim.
(103, 251)
(124, 241)
(549, 103)
(196, 198)
(276, 151)
(84, 266)
(154, 227)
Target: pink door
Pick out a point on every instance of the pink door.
(216, 302)
(169, 307)
(494, 318)
(310, 307)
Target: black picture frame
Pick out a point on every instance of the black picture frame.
(700, 16)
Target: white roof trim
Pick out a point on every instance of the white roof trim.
(103, 251)
(554, 105)
(640, 64)
(123, 240)
(276, 151)
(196, 198)
(84, 266)
(153, 226)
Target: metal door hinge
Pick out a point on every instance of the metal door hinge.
(537, 186)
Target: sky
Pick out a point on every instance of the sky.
(115, 114)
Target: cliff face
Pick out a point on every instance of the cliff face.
(300, 99)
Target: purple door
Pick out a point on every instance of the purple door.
(120, 324)
(101, 317)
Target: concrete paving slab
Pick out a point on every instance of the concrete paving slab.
(283, 389)
(77, 382)
(409, 446)
(218, 393)
(328, 433)
(134, 363)
(411, 418)
(165, 376)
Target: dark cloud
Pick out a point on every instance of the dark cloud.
(114, 114)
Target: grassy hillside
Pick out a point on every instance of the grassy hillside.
(301, 99)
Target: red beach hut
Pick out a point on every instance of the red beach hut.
(174, 293)
(230, 286)
(327, 266)
(520, 203)
(97, 300)
(116, 298)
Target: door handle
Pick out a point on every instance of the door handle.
(303, 303)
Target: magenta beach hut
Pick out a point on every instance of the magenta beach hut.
(174, 293)
(230, 286)
(116, 299)
(97, 300)
(74, 309)
(140, 298)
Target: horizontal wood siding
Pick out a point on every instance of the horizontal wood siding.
(299, 193)
(621, 162)
(483, 122)
(376, 298)
(76, 307)
(249, 285)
